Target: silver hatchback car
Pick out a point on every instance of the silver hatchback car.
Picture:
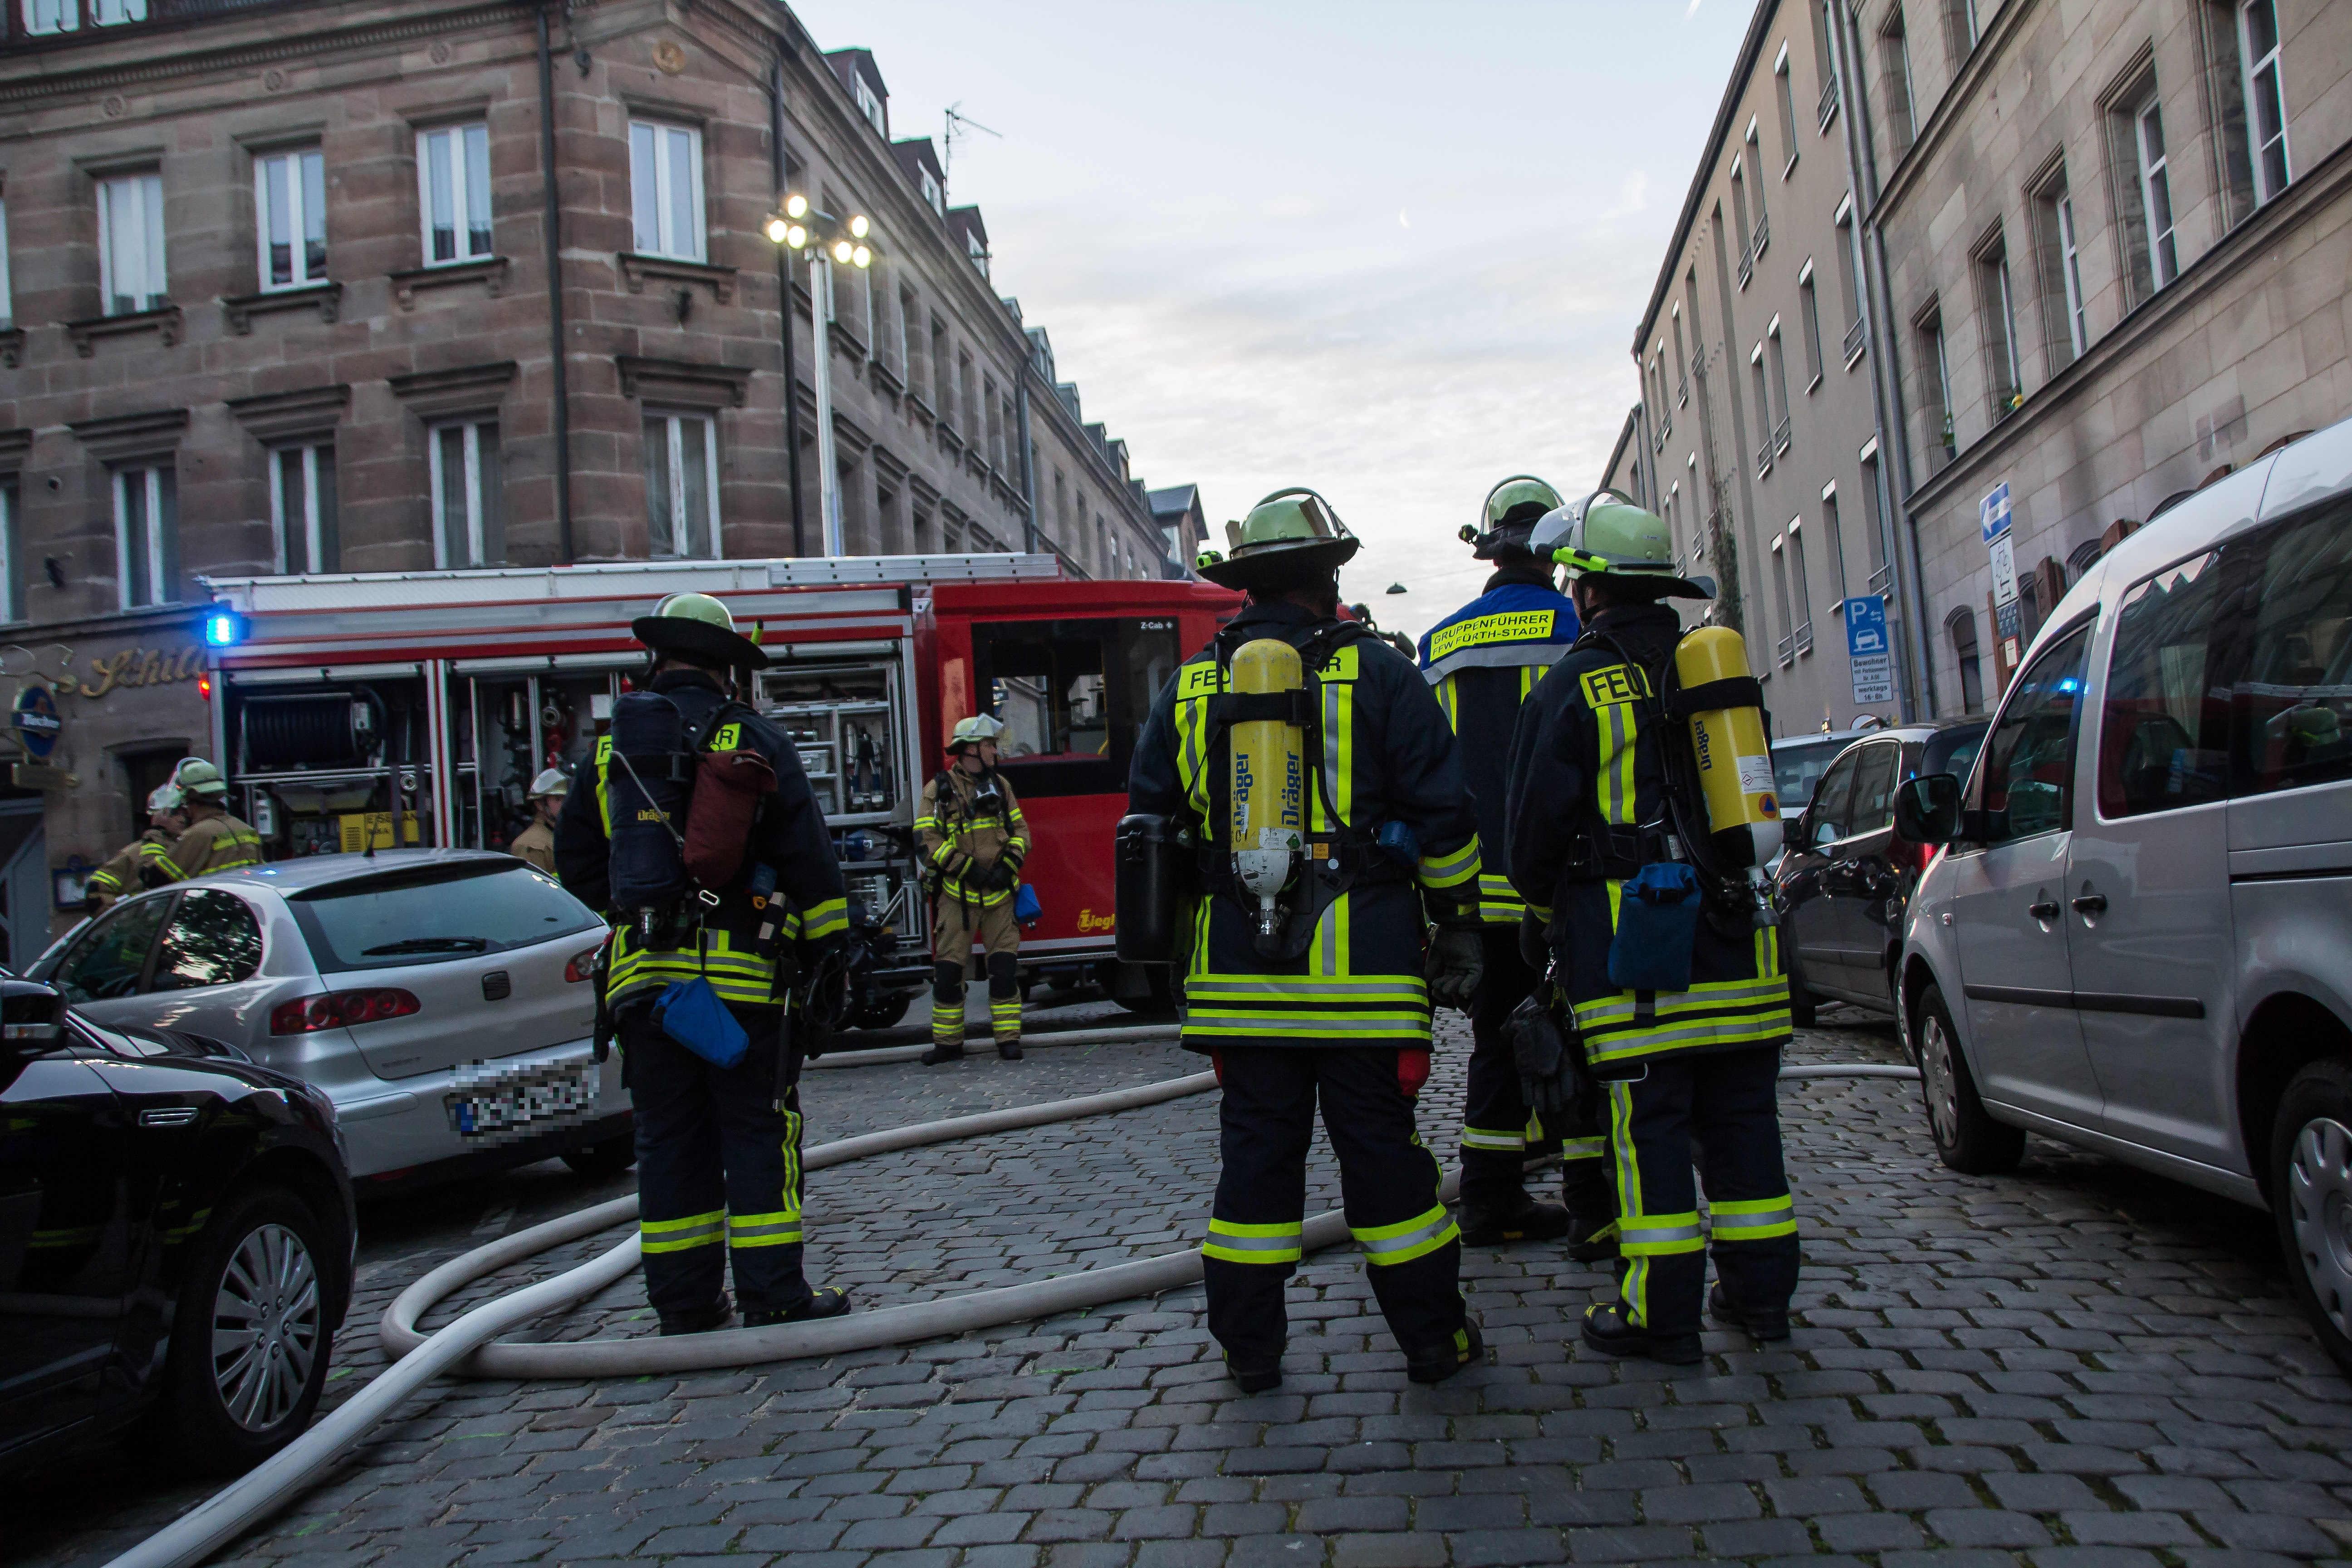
(2137, 937)
(441, 998)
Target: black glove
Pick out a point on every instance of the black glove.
(1546, 1058)
(1458, 961)
(1532, 945)
(997, 877)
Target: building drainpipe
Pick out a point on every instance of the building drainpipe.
(1919, 689)
(784, 314)
(552, 222)
(1028, 467)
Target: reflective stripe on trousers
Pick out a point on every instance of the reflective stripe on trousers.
(1407, 1239)
(1236, 1243)
(1753, 1219)
(678, 1234)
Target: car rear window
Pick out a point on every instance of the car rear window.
(434, 915)
(1798, 766)
(1952, 751)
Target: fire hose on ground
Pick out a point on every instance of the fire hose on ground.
(469, 1345)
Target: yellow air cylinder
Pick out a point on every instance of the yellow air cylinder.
(1269, 783)
(1735, 760)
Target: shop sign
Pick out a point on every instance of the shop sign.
(37, 721)
(135, 667)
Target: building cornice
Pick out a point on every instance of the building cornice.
(2330, 180)
(1974, 71)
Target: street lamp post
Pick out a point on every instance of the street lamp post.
(827, 240)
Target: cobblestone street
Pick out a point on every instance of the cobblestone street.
(2076, 1366)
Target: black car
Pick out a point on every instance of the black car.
(176, 1240)
(1843, 885)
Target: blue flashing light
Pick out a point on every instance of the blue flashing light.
(224, 628)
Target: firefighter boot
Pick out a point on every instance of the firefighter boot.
(1005, 1003)
(1437, 1363)
(1608, 1330)
(1591, 1203)
(1763, 1327)
(947, 1014)
(1510, 1216)
(824, 1301)
(701, 1320)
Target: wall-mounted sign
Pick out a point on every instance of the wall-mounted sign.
(1867, 651)
(37, 721)
(136, 667)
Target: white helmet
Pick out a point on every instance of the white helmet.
(969, 731)
(165, 797)
(552, 781)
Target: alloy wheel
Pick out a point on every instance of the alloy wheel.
(267, 1324)
(1939, 1079)
(2319, 1207)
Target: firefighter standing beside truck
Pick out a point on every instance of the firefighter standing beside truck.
(711, 924)
(212, 840)
(1640, 811)
(973, 841)
(536, 843)
(1302, 772)
(165, 821)
(1483, 661)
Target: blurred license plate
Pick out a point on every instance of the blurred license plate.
(501, 1104)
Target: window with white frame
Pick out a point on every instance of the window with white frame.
(1810, 308)
(66, 15)
(453, 193)
(2155, 190)
(2258, 49)
(289, 209)
(146, 533)
(1756, 161)
(681, 453)
(1850, 283)
(1800, 588)
(932, 194)
(131, 242)
(869, 103)
(302, 506)
(1895, 50)
(1779, 354)
(1786, 92)
(2058, 270)
(468, 494)
(666, 189)
(1996, 312)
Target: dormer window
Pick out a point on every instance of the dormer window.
(870, 104)
(934, 194)
(978, 252)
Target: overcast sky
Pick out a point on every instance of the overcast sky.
(1393, 250)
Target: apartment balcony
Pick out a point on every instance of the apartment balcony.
(1764, 457)
(1763, 236)
(1666, 428)
(1747, 265)
(1857, 337)
(1829, 103)
(1803, 637)
(1780, 437)
(1786, 650)
(1882, 583)
(30, 24)
(1682, 393)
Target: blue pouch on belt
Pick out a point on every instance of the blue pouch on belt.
(1026, 910)
(690, 1013)
(1657, 920)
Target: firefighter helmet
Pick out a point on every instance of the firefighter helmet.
(697, 626)
(1291, 536)
(1511, 509)
(551, 780)
(1605, 534)
(972, 730)
(198, 777)
(165, 797)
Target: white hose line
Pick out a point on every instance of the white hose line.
(460, 1346)
(977, 1044)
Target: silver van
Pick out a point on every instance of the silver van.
(2137, 935)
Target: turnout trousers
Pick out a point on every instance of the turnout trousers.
(1387, 1180)
(1498, 1131)
(718, 1167)
(1724, 1100)
(956, 927)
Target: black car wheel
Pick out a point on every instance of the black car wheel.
(1966, 1137)
(881, 1015)
(1803, 1006)
(2311, 1195)
(249, 1337)
(608, 1157)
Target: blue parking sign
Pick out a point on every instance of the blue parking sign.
(1867, 651)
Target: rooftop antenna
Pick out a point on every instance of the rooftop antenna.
(959, 125)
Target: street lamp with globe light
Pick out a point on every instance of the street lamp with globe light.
(826, 239)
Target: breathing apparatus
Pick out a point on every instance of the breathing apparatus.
(1734, 822)
(1269, 792)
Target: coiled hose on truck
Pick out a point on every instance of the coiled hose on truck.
(468, 1345)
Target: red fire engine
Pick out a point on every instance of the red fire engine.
(372, 709)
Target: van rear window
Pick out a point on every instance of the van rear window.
(434, 915)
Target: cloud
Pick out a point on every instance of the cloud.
(1693, 11)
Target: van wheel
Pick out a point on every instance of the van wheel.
(1966, 1137)
(250, 1340)
(2311, 1194)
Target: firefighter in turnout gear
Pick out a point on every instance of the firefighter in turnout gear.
(536, 843)
(973, 841)
(166, 819)
(212, 840)
(1668, 964)
(693, 826)
(1483, 661)
(1309, 764)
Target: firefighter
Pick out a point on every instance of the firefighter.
(536, 843)
(719, 1149)
(1483, 661)
(166, 820)
(1310, 972)
(975, 839)
(1602, 792)
(212, 840)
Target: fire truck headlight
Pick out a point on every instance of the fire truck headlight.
(224, 628)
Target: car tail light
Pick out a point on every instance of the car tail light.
(340, 1009)
(582, 965)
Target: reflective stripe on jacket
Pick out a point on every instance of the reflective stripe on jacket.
(216, 843)
(949, 827)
